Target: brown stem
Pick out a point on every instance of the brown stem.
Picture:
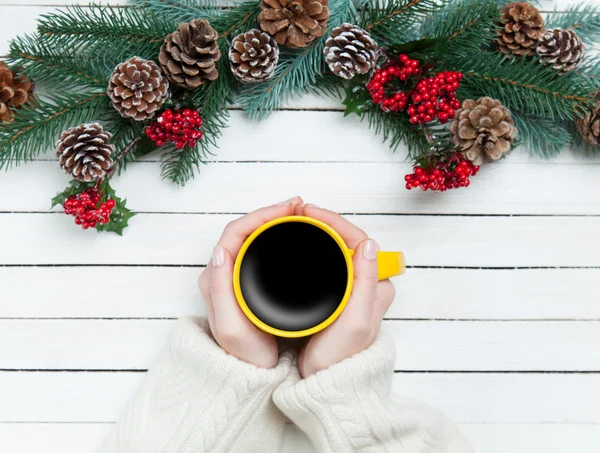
(395, 13)
(126, 150)
(233, 27)
(80, 74)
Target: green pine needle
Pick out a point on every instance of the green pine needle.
(540, 136)
(584, 18)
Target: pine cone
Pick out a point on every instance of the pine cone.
(137, 88)
(84, 152)
(294, 23)
(190, 55)
(483, 130)
(253, 56)
(15, 91)
(563, 49)
(522, 26)
(350, 51)
(589, 125)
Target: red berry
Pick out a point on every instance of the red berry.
(111, 203)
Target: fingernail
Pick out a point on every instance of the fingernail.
(286, 202)
(218, 257)
(370, 250)
(310, 205)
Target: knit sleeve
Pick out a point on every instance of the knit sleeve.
(199, 399)
(350, 408)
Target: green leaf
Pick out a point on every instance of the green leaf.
(120, 215)
(357, 99)
(75, 187)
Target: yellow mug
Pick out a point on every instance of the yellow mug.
(293, 276)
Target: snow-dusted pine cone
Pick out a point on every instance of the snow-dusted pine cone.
(84, 152)
(483, 130)
(253, 56)
(522, 25)
(190, 55)
(294, 23)
(563, 49)
(350, 51)
(137, 88)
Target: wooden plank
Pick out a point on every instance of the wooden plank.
(426, 240)
(85, 438)
(467, 398)
(421, 345)
(164, 292)
(347, 187)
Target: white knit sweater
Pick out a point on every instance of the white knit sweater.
(199, 399)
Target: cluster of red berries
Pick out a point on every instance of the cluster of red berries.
(181, 127)
(403, 69)
(435, 96)
(442, 174)
(87, 208)
(430, 98)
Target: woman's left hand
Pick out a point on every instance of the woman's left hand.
(232, 330)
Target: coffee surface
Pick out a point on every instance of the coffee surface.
(293, 276)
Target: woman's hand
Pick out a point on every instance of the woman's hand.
(357, 327)
(228, 324)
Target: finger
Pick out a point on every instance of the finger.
(298, 208)
(364, 293)
(225, 307)
(238, 230)
(203, 284)
(351, 234)
(385, 296)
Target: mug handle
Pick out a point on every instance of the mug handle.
(389, 264)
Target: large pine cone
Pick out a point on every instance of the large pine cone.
(522, 26)
(137, 88)
(350, 51)
(253, 56)
(84, 152)
(294, 23)
(190, 55)
(483, 130)
(589, 125)
(563, 49)
(15, 91)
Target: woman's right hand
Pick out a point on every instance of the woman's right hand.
(357, 327)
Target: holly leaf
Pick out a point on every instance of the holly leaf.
(358, 99)
(119, 218)
(426, 50)
(75, 187)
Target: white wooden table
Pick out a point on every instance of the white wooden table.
(497, 320)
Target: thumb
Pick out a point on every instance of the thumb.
(221, 285)
(365, 280)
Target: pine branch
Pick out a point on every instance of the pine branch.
(62, 69)
(106, 29)
(397, 130)
(297, 71)
(523, 85)
(584, 18)
(540, 136)
(36, 129)
(181, 11)
(396, 21)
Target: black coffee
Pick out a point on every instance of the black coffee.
(293, 276)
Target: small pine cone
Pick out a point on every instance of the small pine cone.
(253, 56)
(589, 125)
(563, 49)
(189, 56)
(15, 91)
(137, 88)
(483, 130)
(294, 23)
(350, 51)
(522, 26)
(84, 152)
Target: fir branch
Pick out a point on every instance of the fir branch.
(397, 130)
(36, 129)
(523, 85)
(100, 28)
(62, 69)
(297, 71)
(540, 136)
(396, 21)
(181, 11)
(584, 18)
